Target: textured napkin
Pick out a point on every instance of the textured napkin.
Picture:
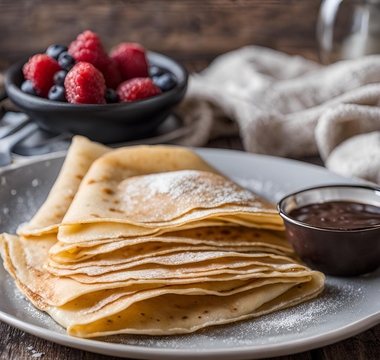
(357, 157)
(281, 104)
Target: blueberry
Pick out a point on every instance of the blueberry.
(59, 77)
(111, 96)
(57, 93)
(55, 50)
(66, 61)
(166, 81)
(155, 78)
(27, 86)
(156, 71)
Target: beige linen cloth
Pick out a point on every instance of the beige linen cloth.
(284, 105)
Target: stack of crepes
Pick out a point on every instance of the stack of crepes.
(153, 240)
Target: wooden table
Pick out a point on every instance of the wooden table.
(16, 344)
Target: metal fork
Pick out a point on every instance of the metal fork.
(13, 123)
(8, 143)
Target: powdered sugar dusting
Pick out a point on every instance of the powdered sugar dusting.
(340, 303)
(35, 353)
(24, 309)
(175, 184)
(180, 184)
(38, 354)
(166, 196)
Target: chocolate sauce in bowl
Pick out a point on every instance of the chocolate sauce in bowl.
(338, 215)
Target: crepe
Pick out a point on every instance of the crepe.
(79, 158)
(234, 238)
(82, 153)
(169, 311)
(130, 207)
(191, 262)
(24, 259)
(135, 307)
(153, 241)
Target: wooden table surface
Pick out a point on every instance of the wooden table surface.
(16, 344)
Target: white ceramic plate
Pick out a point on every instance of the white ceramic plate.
(346, 307)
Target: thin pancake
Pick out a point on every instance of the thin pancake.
(24, 259)
(172, 309)
(130, 207)
(82, 153)
(202, 260)
(168, 314)
(154, 249)
(130, 257)
(223, 237)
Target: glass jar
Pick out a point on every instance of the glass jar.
(348, 29)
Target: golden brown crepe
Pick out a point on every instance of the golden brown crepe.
(153, 241)
(79, 158)
(25, 259)
(154, 305)
(235, 238)
(156, 203)
(82, 153)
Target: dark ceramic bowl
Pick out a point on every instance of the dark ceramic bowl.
(109, 123)
(339, 252)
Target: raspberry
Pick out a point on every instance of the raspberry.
(131, 60)
(40, 70)
(112, 74)
(137, 89)
(88, 48)
(85, 84)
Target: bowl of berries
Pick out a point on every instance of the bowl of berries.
(81, 89)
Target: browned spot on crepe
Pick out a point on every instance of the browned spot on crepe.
(107, 191)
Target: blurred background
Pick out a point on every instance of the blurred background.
(195, 32)
(191, 31)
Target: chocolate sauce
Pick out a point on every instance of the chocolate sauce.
(338, 215)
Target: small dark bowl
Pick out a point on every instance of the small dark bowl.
(109, 123)
(339, 252)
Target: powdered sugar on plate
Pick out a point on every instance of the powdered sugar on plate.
(339, 297)
(342, 302)
(23, 308)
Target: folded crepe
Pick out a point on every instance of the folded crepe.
(148, 301)
(81, 154)
(158, 203)
(107, 180)
(154, 241)
(226, 238)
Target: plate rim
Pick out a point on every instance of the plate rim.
(141, 352)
